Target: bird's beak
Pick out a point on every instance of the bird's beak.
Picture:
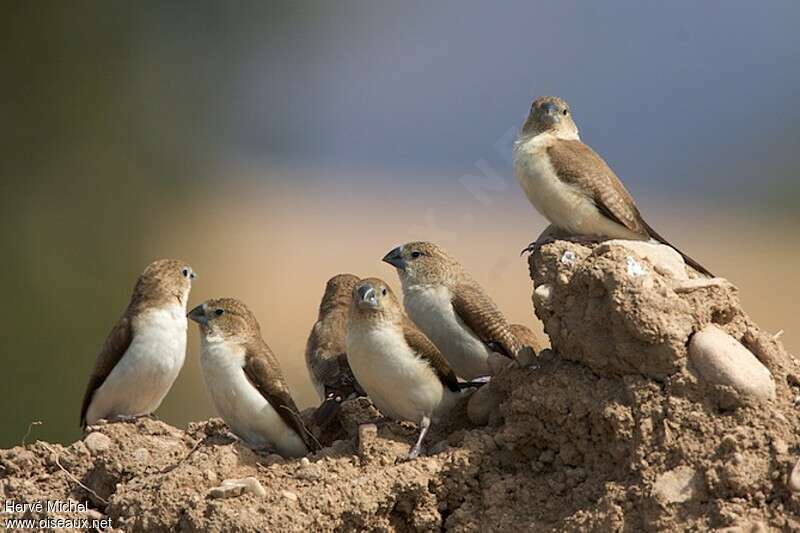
(551, 110)
(395, 258)
(198, 314)
(367, 297)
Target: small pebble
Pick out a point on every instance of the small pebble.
(142, 455)
(232, 488)
(289, 495)
(794, 478)
(721, 359)
(97, 442)
(635, 269)
(543, 294)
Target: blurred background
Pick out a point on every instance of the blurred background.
(273, 145)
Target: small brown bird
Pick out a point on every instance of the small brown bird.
(245, 381)
(145, 350)
(452, 309)
(326, 349)
(570, 185)
(402, 372)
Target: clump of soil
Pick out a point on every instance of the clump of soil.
(613, 430)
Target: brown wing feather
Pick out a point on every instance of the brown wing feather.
(481, 315)
(576, 163)
(262, 370)
(114, 348)
(428, 351)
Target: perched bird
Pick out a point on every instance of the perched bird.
(452, 309)
(570, 185)
(326, 349)
(245, 381)
(402, 372)
(144, 352)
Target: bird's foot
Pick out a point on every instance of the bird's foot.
(414, 453)
(533, 247)
(128, 418)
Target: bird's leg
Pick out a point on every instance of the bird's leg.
(424, 426)
(585, 239)
(129, 418)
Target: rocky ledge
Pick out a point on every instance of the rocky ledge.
(661, 406)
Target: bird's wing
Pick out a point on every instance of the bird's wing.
(262, 370)
(479, 313)
(526, 337)
(327, 360)
(428, 351)
(114, 348)
(577, 164)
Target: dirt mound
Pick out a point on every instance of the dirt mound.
(621, 428)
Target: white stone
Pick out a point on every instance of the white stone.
(721, 359)
(691, 285)
(231, 488)
(676, 486)
(142, 455)
(568, 258)
(665, 260)
(543, 294)
(97, 442)
(794, 478)
(635, 268)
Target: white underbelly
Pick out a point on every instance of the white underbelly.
(431, 309)
(399, 383)
(145, 373)
(250, 416)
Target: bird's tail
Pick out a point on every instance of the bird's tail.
(689, 261)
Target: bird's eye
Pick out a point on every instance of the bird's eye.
(384, 291)
(565, 112)
(185, 272)
(219, 312)
(415, 254)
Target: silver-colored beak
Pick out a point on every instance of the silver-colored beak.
(198, 314)
(367, 296)
(395, 258)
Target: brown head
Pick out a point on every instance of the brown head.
(550, 114)
(338, 293)
(163, 282)
(424, 263)
(225, 319)
(373, 299)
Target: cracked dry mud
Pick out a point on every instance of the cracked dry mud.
(615, 430)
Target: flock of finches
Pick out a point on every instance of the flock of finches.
(413, 360)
